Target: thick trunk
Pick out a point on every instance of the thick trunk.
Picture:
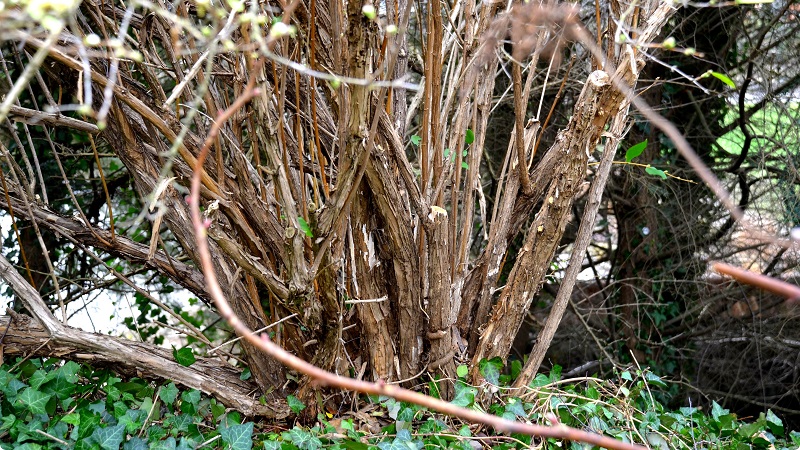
(544, 235)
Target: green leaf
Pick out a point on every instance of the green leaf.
(179, 423)
(61, 387)
(516, 368)
(406, 414)
(28, 446)
(464, 165)
(654, 380)
(192, 396)
(168, 393)
(555, 373)
(40, 377)
(626, 376)
(166, 444)
(415, 139)
(490, 369)
(109, 438)
(238, 437)
(8, 422)
(305, 227)
(35, 401)
(245, 374)
(393, 407)
(133, 420)
(514, 406)
(302, 439)
(351, 445)
(635, 151)
(273, 445)
(774, 423)
(294, 404)
(470, 137)
(718, 411)
(72, 419)
(724, 78)
(184, 356)
(217, 409)
(656, 172)
(462, 371)
(465, 395)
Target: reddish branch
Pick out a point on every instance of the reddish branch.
(769, 284)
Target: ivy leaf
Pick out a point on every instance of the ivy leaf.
(724, 78)
(626, 376)
(184, 356)
(465, 395)
(40, 377)
(470, 137)
(272, 445)
(349, 445)
(656, 172)
(180, 422)
(192, 396)
(415, 139)
(305, 227)
(774, 423)
(29, 446)
(294, 404)
(168, 393)
(655, 380)
(402, 441)
(61, 387)
(109, 438)
(8, 422)
(167, 444)
(35, 401)
(136, 443)
(490, 369)
(72, 419)
(302, 439)
(245, 374)
(464, 165)
(462, 371)
(406, 414)
(132, 420)
(635, 151)
(514, 406)
(239, 437)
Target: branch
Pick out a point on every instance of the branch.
(582, 239)
(53, 338)
(769, 284)
(27, 338)
(33, 117)
(117, 245)
(324, 377)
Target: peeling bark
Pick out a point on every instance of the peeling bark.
(572, 147)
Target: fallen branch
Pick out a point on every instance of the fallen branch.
(33, 117)
(180, 272)
(51, 338)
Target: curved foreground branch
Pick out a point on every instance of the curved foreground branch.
(264, 344)
(769, 284)
(50, 337)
